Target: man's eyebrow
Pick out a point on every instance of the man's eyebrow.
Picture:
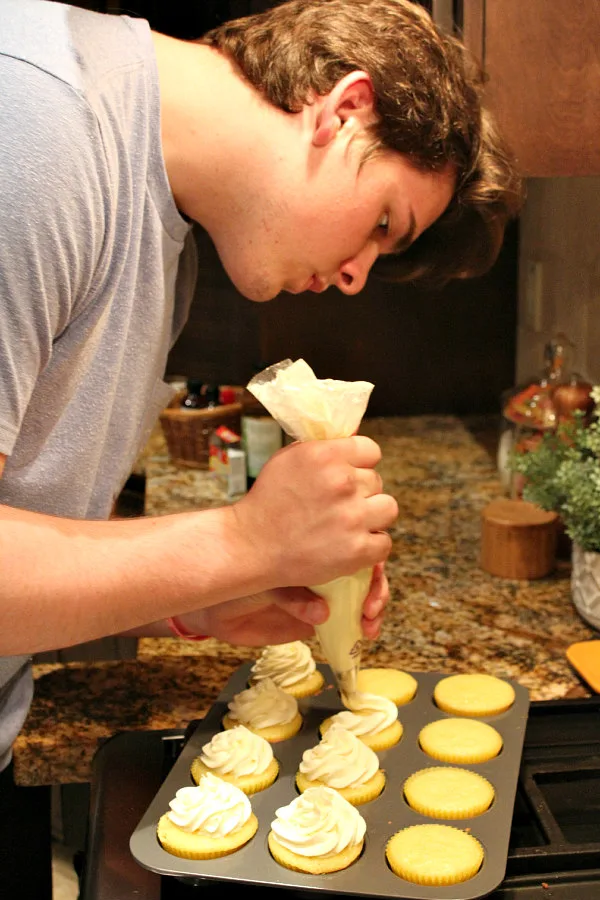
(406, 240)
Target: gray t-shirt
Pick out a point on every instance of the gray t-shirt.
(97, 268)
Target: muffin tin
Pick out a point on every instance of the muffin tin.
(370, 875)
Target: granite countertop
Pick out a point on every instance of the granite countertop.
(445, 613)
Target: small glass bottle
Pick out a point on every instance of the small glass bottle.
(212, 396)
(194, 397)
(262, 436)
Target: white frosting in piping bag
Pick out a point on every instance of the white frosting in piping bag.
(215, 807)
(262, 705)
(309, 408)
(340, 760)
(318, 823)
(341, 635)
(237, 752)
(284, 664)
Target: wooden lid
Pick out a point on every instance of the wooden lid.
(517, 513)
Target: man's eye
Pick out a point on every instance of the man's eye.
(384, 223)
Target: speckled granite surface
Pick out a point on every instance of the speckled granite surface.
(445, 613)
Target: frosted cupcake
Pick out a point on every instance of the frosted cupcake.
(372, 719)
(318, 832)
(343, 762)
(266, 710)
(239, 757)
(207, 821)
(291, 667)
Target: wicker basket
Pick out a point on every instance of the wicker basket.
(188, 431)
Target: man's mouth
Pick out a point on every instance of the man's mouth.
(316, 285)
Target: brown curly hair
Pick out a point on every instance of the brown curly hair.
(428, 102)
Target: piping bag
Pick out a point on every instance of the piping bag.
(309, 408)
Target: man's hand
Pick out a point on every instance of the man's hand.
(316, 511)
(282, 615)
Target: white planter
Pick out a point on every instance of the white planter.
(585, 585)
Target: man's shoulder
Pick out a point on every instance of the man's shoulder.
(76, 46)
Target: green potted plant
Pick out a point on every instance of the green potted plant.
(561, 473)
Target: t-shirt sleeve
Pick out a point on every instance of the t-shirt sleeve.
(54, 199)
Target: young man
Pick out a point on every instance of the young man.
(312, 142)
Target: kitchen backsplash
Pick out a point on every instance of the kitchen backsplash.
(448, 351)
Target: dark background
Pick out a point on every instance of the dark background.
(449, 351)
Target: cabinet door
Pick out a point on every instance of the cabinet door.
(542, 58)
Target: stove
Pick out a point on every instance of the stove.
(554, 849)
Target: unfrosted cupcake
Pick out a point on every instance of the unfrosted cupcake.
(239, 757)
(434, 855)
(210, 820)
(266, 710)
(343, 762)
(291, 667)
(399, 687)
(373, 719)
(456, 740)
(474, 695)
(318, 832)
(445, 792)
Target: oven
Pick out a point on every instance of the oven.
(555, 838)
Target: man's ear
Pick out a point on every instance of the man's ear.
(351, 98)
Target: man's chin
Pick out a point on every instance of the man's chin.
(258, 292)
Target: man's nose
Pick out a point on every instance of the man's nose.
(353, 273)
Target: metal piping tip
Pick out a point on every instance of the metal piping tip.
(347, 681)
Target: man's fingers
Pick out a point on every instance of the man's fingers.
(370, 482)
(365, 453)
(359, 451)
(372, 627)
(378, 596)
(303, 604)
(382, 512)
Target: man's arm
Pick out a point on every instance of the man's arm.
(316, 512)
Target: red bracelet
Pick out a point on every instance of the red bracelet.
(179, 630)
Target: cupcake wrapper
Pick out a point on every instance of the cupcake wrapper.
(189, 845)
(249, 784)
(273, 733)
(362, 793)
(416, 862)
(313, 865)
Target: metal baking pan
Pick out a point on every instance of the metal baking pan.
(370, 875)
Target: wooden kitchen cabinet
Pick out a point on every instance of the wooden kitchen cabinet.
(542, 59)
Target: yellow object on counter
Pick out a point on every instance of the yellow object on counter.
(584, 656)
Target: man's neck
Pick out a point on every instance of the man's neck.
(205, 104)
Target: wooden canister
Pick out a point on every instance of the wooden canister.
(518, 539)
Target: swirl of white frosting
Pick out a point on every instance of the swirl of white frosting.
(262, 705)
(237, 752)
(320, 822)
(340, 760)
(215, 807)
(285, 664)
(366, 713)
